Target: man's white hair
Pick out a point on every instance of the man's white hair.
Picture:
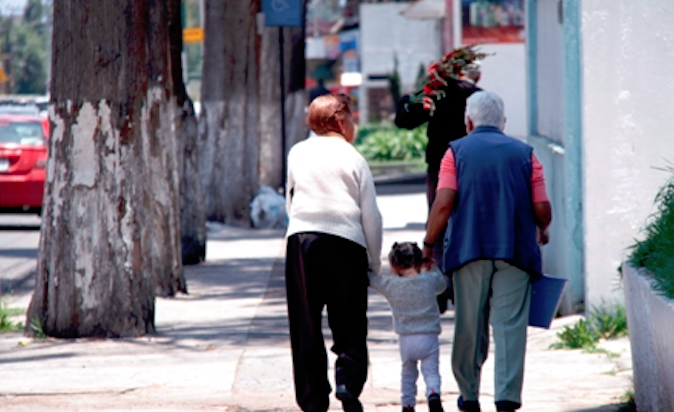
(485, 109)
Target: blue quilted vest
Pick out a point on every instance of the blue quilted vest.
(493, 216)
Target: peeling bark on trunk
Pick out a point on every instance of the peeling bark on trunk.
(229, 128)
(110, 228)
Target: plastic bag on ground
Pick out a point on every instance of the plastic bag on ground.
(268, 210)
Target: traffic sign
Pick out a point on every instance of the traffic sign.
(282, 13)
(193, 35)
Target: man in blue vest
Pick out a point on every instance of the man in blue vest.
(492, 185)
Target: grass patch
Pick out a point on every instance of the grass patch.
(628, 404)
(38, 331)
(578, 336)
(6, 315)
(605, 322)
(656, 251)
(609, 321)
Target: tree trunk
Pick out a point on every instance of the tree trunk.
(110, 228)
(229, 127)
(271, 161)
(296, 101)
(165, 172)
(192, 210)
(271, 153)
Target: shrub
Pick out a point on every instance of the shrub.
(386, 142)
(656, 251)
(627, 404)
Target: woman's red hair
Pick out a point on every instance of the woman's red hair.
(327, 113)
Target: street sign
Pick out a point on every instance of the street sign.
(193, 35)
(282, 13)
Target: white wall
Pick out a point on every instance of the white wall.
(504, 73)
(628, 127)
(384, 33)
(549, 61)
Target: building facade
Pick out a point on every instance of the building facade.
(599, 97)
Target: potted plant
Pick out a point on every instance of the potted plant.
(648, 280)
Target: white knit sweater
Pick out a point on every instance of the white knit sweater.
(330, 190)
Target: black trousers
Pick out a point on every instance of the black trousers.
(326, 270)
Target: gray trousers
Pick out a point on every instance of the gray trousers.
(416, 348)
(493, 292)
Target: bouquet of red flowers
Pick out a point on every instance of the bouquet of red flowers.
(450, 66)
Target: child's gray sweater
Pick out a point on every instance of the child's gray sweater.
(413, 300)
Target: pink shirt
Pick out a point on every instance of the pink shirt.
(448, 179)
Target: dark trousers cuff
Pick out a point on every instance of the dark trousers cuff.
(507, 406)
(468, 406)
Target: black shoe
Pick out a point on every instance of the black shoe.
(408, 408)
(434, 403)
(349, 403)
(468, 406)
(507, 406)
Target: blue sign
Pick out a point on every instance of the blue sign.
(282, 13)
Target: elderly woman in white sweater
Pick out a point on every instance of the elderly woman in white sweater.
(334, 237)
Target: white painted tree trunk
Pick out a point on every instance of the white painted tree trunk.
(229, 130)
(271, 162)
(110, 231)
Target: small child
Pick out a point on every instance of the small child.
(412, 294)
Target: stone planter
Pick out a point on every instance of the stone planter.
(650, 318)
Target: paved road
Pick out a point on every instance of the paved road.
(19, 240)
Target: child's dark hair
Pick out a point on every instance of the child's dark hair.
(405, 255)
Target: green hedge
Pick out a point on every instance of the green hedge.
(386, 142)
(656, 251)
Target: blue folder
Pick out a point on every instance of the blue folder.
(546, 295)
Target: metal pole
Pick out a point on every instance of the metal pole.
(283, 105)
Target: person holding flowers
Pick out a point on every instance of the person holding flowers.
(441, 103)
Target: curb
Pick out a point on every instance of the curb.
(400, 179)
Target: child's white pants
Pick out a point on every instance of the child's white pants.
(415, 348)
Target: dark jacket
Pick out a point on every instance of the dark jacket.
(493, 216)
(447, 123)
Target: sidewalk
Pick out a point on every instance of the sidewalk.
(225, 346)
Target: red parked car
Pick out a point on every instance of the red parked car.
(23, 160)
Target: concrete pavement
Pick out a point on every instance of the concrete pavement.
(225, 346)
